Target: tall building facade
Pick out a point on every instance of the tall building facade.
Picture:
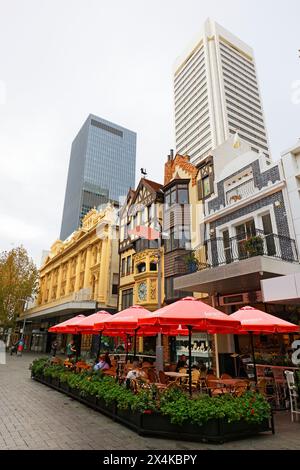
(102, 168)
(216, 94)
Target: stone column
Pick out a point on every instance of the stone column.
(59, 280)
(86, 283)
(68, 275)
(77, 280)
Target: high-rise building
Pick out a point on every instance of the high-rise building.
(217, 94)
(102, 168)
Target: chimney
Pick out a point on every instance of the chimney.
(171, 154)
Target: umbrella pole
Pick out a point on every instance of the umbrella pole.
(190, 359)
(126, 357)
(99, 346)
(253, 355)
(134, 343)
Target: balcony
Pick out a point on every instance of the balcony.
(220, 252)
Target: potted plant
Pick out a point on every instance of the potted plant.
(191, 262)
(254, 246)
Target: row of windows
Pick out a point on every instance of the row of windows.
(243, 129)
(189, 68)
(246, 116)
(234, 89)
(240, 84)
(232, 131)
(238, 58)
(178, 194)
(200, 78)
(237, 69)
(246, 124)
(235, 61)
(206, 148)
(198, 128)
(197, 110)
(196, 87)
(179, 238)
(198, 95)
(106, 128)
(253, 88)
(188, 111)
(196, 117)
(233, 96)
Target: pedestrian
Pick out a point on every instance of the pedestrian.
(20, 347)
(14, 348)
(54, 347)
(71, 350)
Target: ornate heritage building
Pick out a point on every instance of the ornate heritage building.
(138, 256)
(80, 274)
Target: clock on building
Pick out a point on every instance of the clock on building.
(142, 291)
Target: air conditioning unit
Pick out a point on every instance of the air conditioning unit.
(245, 298)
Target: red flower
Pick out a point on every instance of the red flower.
(252, 411)
(147, 412)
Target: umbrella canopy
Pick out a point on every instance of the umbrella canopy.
(125, 319)
(191, 312)
(86, 325)
(257, 321)
(65, 325)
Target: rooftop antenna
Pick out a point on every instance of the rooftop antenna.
(143, 172)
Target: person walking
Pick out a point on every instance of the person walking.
(71, 350)
(54, 346)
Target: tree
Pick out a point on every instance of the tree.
(18, 282)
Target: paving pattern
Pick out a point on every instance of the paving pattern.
(33, 416)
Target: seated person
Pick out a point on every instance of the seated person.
(103, 364)
(182, 362)
(135, 373)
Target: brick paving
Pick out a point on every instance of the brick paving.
(33, 416)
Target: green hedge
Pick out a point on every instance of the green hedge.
(174, 403)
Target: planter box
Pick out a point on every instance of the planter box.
(109, 409)
(55, 382)
(133, 418)
(157, 425)
(90, 400)
(64, 387)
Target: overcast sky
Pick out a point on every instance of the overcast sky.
(63, 59)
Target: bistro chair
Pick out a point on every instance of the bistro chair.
(280, 385)
(163, 378)
(213, 388)
(293, 393)
(226, 376)
(240, 388)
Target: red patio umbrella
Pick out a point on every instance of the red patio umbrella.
(192, 314)
(126, 319)
(66, 325)
(254, 321)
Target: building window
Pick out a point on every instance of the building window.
(115, 284)
(127, 298)
(153, 266)
(128, 265)
(179, 238)
(171, 293)
(141, 267)
(123, 267)
(243, 233)
(178, 194)
(206, 181)
(269, 236)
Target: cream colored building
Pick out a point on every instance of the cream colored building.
(216, 93)
(80, 274)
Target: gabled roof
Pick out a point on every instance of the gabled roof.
(152, 185)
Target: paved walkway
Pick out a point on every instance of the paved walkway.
(33, 416)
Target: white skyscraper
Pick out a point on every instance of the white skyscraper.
(216, 94)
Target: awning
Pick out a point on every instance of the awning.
(60, 310)
(236, 277)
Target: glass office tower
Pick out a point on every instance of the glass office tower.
(102, 168)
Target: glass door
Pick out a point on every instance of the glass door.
(243, 233)
(269, 236)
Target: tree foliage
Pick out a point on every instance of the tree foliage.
(18, 282)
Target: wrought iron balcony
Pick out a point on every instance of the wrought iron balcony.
(220, 252)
